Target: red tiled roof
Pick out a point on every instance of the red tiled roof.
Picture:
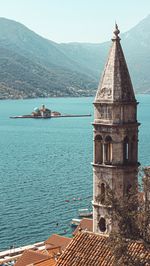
(29, 257)
(89, 249)
(85, 224)
(47, 262)
(58, 241)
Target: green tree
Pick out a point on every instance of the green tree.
(132, 215)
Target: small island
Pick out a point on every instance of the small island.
(44, 112)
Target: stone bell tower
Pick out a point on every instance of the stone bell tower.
(115, 161)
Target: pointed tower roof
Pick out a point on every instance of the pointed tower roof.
(115, 85)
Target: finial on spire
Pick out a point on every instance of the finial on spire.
(116, 32)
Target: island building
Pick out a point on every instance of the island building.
(44, 112)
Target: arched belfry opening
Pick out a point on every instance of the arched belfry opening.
(126, 150)
(102, 224)
(98, 149)
(108, 150)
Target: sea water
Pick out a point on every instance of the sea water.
(45, 166)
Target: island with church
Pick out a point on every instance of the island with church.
(45, 113)
(119, 233)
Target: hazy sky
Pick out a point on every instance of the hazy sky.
(75, 20)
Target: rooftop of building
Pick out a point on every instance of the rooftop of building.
(93, 249)
(58, 241)
(46, 262)
(29, 257)
(85, 224)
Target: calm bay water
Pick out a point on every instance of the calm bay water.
(43, 163)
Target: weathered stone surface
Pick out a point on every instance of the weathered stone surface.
(115, 85)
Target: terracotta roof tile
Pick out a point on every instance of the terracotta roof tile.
(58, 241)
(29, 257)
(89, 249)
(47, 262)
(85, 224)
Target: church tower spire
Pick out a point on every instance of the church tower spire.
(116, 84)
(115, 162)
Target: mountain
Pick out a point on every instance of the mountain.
(32, 66)
(136, 47)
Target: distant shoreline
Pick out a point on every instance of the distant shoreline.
(58, 97)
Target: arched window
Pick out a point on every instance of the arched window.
(102, 224)
(108, 150)
(98, 149)
(126, 149)
(102, 193)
